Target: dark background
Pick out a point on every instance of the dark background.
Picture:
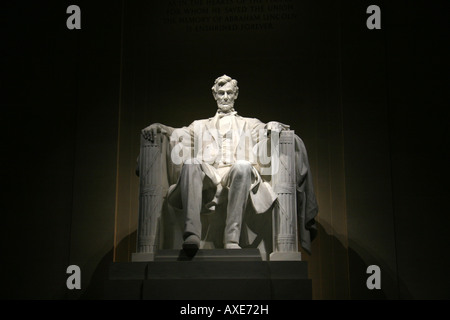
(69, 97)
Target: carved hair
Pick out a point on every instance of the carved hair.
(223, 80)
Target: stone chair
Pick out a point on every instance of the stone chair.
(160, 226)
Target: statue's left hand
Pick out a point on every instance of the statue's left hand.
(150, 132)
(276, 126)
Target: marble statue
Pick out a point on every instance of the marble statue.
(224, 159)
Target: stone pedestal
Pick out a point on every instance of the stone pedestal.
(285, 256)
(210, 275)
(142, 256)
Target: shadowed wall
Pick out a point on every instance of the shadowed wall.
(367, 104)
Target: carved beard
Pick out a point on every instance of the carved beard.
(229, 107)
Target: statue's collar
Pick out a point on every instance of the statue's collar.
(221, 114)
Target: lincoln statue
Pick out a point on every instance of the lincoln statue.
(224, 166)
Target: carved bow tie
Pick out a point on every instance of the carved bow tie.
(223, 114)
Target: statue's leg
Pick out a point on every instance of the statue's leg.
(239, 185)
(191, 185)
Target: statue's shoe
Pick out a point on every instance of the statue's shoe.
(191, 244)
(232, 246)
(212, 204)
(216, 200)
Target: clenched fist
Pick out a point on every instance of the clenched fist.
(276, 126)
(150, 132)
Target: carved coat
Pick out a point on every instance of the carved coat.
(201, 140)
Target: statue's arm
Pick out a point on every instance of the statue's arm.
(276, 126)
(256, 125)
(260, 129)
(150, 132)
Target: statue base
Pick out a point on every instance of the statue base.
(201, 255)
(213, 274)
(285, 256)
(142, 257)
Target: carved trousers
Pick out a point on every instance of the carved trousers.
(192, 185)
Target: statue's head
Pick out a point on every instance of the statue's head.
(225, 91)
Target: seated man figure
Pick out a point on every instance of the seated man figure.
(223, 160)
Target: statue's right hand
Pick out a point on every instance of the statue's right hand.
(150, 132)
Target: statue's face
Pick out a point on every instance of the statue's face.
(225, 97)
